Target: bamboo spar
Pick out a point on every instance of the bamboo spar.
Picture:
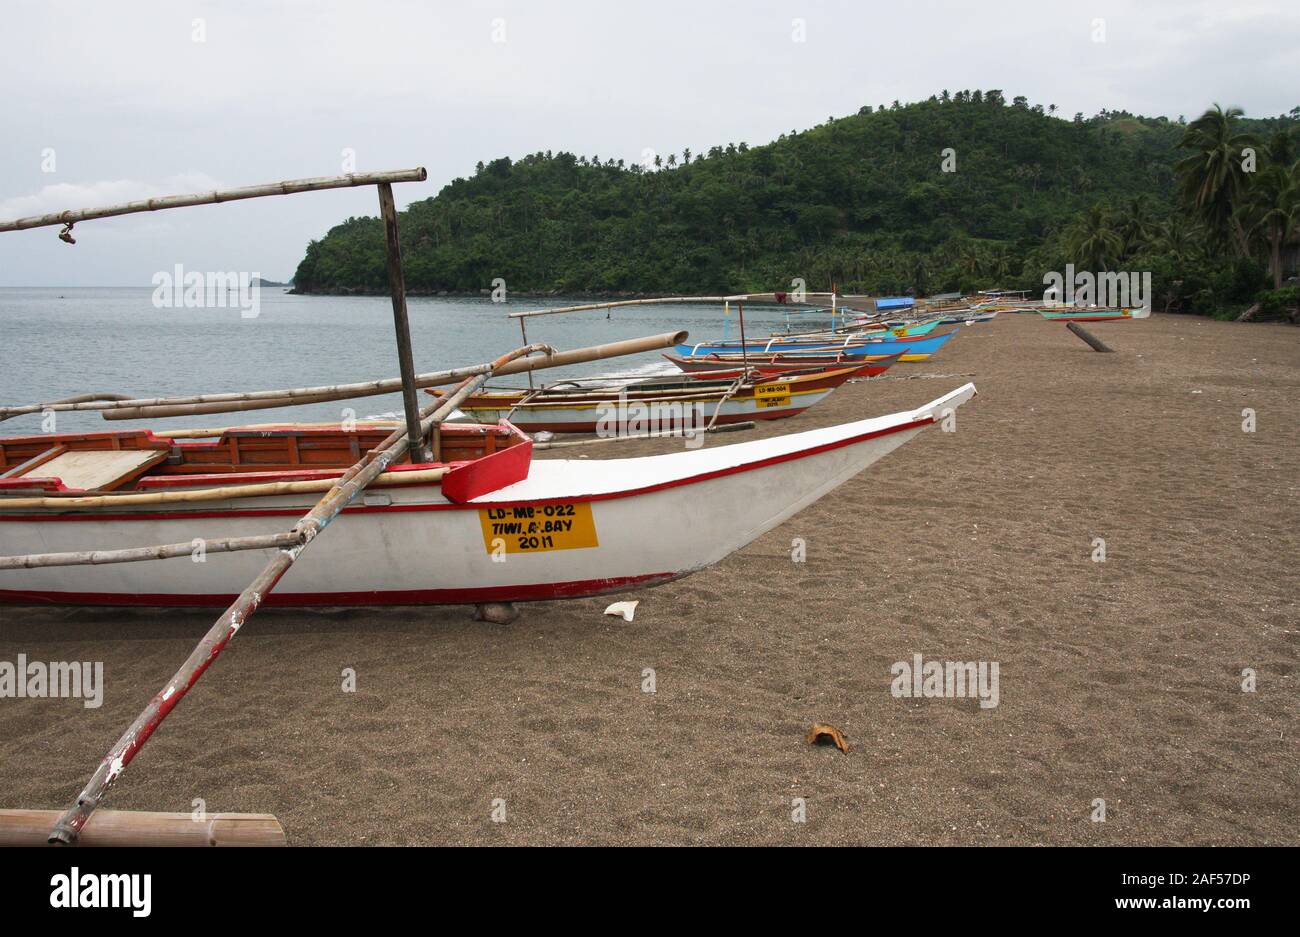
(224, 629)
(654, 301)
(289, 187)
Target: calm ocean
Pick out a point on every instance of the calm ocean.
(58, 342)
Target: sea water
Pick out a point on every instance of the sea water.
(57, 342)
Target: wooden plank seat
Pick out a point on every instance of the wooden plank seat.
(87, 470)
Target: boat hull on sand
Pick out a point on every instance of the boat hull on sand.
(1093, 315)
(571, 528)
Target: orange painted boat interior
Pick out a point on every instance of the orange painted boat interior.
(289, 449)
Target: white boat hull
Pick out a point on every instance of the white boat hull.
(595, 527)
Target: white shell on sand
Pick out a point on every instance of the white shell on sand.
(626, 609)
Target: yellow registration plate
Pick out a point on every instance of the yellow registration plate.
(772, 395)
(538, 528)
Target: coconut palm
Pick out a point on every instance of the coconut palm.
(1212, 179)
(1178, 239)
(1093, 242)
(1137, 229)
(1272, 211)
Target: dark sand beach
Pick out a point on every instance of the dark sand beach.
(1118, 680)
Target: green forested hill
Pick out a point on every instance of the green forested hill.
(860, 201)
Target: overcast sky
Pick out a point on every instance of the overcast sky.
(132, 105)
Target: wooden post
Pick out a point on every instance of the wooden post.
(397, 284)
(523, 333)
(744, 350)
(1096, 343)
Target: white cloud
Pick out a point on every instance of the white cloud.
(65, 196)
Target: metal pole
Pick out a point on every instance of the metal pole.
(397, 283)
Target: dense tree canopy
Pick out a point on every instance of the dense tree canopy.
(962, 191)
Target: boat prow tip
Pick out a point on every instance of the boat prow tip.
(955, 398)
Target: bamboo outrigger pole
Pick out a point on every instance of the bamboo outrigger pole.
(654, 301)
(290, 187)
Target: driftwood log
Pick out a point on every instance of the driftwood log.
(1096, 343)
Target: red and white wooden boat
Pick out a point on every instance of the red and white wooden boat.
(495, 527)
(670, 405)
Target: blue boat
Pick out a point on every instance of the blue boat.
(914, 349)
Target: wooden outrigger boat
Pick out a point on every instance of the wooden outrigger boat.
(699, 369)
(909, 349)
(857, 342)
(667, 406)
(423, 512)
(1092, 315)
(425, 533)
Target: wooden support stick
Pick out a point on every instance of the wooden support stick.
(1096, 343)
(401, 322)
(225, 195)
(142, 828)
(140, 554)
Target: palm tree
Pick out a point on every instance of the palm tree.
(1179, 240)
(686, 155)
(971, 259)
(1093, 242)
(1137, 228)
(1211, 179)
(1271, 207)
